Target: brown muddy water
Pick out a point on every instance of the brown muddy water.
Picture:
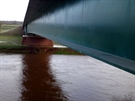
(42, 77)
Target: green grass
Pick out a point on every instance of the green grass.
(5, 28)
(10, 40)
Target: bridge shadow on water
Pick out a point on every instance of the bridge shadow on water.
(38, 83)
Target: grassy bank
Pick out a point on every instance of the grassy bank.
(5, 28)
(37, 50)
(8, 43)
(10, 40)
(13, 44)
(10, 36)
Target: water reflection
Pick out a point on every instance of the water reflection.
(40, 77)
(38, 83)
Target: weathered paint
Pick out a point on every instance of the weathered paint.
(104, 29)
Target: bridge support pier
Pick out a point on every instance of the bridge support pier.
(34, 40)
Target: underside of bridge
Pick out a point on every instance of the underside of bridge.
(103, 29)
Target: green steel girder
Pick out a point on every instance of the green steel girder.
(103, 29)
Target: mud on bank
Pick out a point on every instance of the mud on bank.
(38, 50)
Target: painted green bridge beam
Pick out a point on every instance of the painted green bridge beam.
(103, 29)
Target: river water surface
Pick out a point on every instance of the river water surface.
(42, 77)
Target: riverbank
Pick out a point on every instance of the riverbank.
(37, 50)
(11, 42)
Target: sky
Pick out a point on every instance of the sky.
(13, 10)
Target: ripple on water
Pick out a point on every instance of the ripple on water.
(29, 77)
